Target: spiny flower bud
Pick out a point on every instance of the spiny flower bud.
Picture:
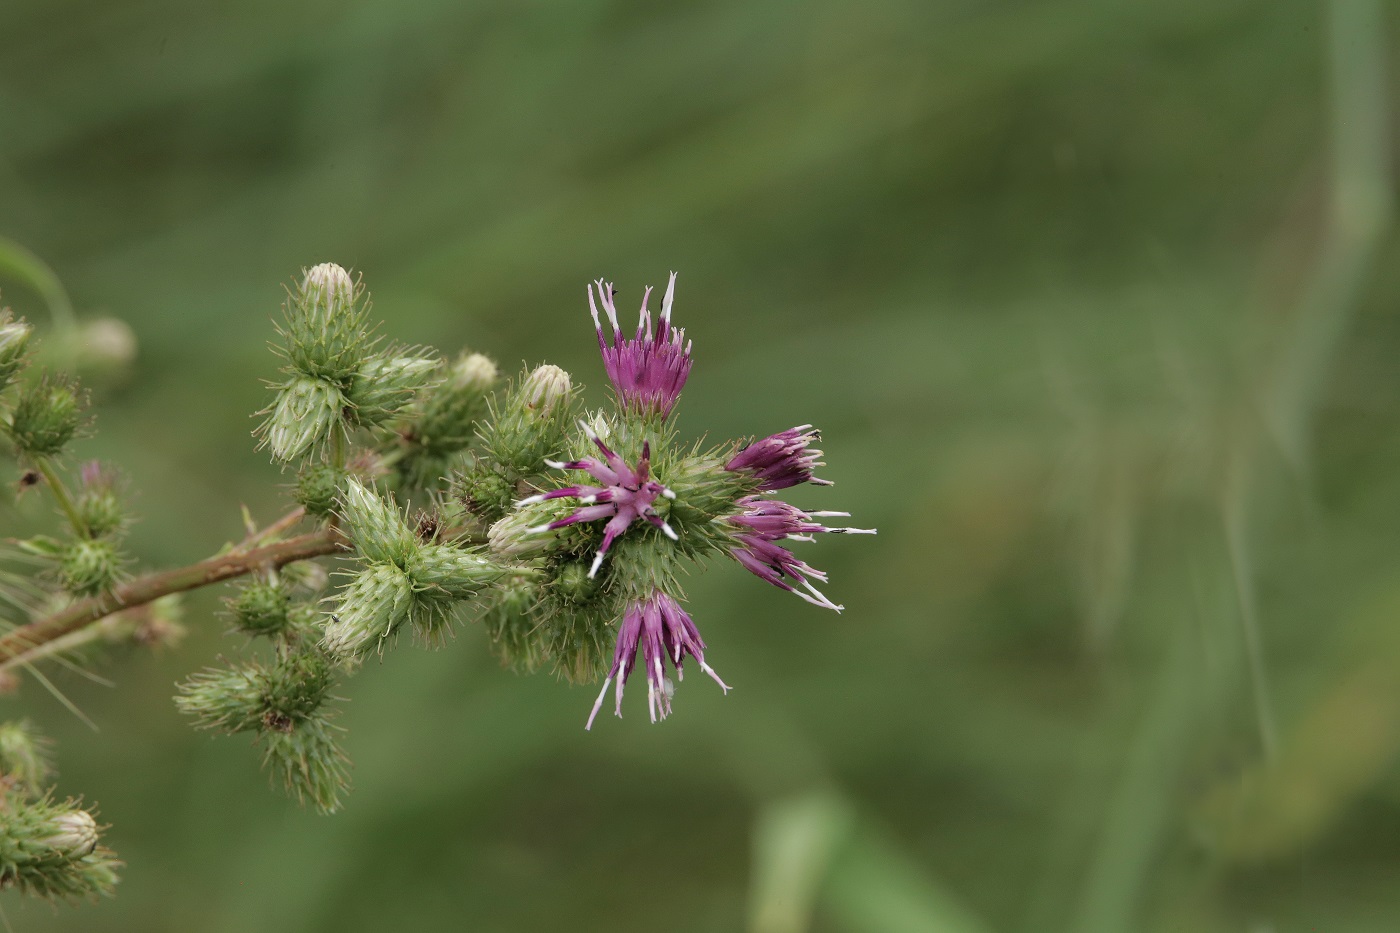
(228, 699)
(318, 488)
(89, 567)
(99, 506)
(24, 757)
(303, 417)
(372, 607)
(546, 388)
(260, 608)
(14, 341)
(328, 285)
(447, 420)
(46, 416)
(306, 760)
(573, 583)
(74, 833)
(384, 385)
(375, 527)
(456, 573)
(512, 627)
(518, 535)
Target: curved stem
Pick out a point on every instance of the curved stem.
(27, 640)
(61, 496)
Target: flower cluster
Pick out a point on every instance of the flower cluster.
(699, 502)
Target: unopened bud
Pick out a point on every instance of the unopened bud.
(24, 757)
(456, 573)
(328, 286)
(546, 388)
(384, 385)
(447, 420)
(305, 414)
(318, 488)
(14, 341)
(74, 833)
(376, 528)
(89, 567)
(371, 609)
(513, 628)
(99, 506)
(260, 608)
(524, 531)
(46, 416)
(573, 584)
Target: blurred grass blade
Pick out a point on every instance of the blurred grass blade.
(17, 262)
(794, 843)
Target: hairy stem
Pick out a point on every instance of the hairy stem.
(61, 496)
(27, 640)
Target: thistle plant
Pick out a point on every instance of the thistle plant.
(443, 496)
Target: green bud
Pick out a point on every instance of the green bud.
(228, 699)
(452, 571)
(295, 688)
(52, 850)
(327, 330)
(318, 488)
(384, 385)
(25, 760)
(73, 833)
(371, 608)
(375, 527)
(14, 341)
(305, 413)
(546, 389)
(531, 425)
(485, 492)
(260, 608)
(523, 533)
(46, 416)
(447, 423)
(89, 566)
(573, 584)
(512, 626)
(98, 504)
(307, 761)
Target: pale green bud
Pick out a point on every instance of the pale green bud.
(318, 488)
(383, 386)
(327, 286)
(447, 422)
(260, 608)
(89, 566)
(372, 607)
(375, 527)
(303, 417)
(452, 571)
(308, 763)
(98, 504)
(74, 833)
(546, 388)
(14, 341)
(327, 330)
(25, 761)
(512, 626)
(573, 584)
(228, 699)
(46, 416)
(294, 688)
(523, 533)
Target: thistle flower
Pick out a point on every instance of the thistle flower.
(624, 496)
(781, 460)
(765, 522)
(665, 633)
(648, 371)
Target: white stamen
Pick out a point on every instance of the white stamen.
(669, 532)
(587, 431)
(668, 493)
(668, 299)
(530, 500)
(852, 531)
(559, 465)
(588, 500)
(539, 529)
(597, 705)
(821, 514)
(597, 562)
(711, 671)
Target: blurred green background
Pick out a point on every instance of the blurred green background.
(1095, 303)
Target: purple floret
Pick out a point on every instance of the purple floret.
(665, 634)
(648, 371)
(781, 460)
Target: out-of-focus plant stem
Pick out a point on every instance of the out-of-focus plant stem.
(28, 642)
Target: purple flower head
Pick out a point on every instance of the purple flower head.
(765, 522)
(665, 634)
(781, 460)
(623, 496)
(648, 371)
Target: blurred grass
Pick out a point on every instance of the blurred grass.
(1102, 337)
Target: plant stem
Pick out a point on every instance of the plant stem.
(20, 644)
(61, 496)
